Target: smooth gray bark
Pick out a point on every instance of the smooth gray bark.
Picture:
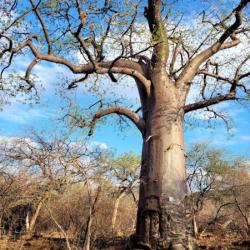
(161, 218)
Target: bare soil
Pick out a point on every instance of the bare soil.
(210, 242)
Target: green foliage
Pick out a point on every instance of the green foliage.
(128, 161)
(213, 168)
(125, 169)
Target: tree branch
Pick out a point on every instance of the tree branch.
(19, 18)
(73, 84)
(209, 102)
(15, 50)
(121, 66)
(39, 16)
(9, 49)
(174, 56)
(132, 116)
(191, 68)
(215, 76)
(28, 73)
(158, 32)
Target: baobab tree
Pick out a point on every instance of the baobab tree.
(165, 67)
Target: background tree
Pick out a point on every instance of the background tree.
(47, 166)
(15, 202)
(199, 179)
(125, 177)
(218, 182)
(164, 68)
(230, 188)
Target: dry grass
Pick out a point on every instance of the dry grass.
(229, 241)
(35, 244)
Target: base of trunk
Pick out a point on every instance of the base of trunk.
(163, 244)
(163, 225)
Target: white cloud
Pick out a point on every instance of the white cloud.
(96, 144)
(245, 137)
(21, 115)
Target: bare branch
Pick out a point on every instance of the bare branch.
(18, 19)
(73, 85)
(191, 68)
(126, 67)
(28, 72)
(209, 102)
(39, 16)
(7, 49)
(215, 76)
(59, 227)
(239, 76)
(132, 116)
(14, 51)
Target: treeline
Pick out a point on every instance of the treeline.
(83, 194)
(75, 191)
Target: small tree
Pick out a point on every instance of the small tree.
(222, 181)
(45, 163)
(231, 197)
(15, 199)
(125, 177)
(200, 180)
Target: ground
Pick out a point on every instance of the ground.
(208, 241)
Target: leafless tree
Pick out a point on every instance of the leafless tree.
(47, 163)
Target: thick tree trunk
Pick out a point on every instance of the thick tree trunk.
(161, 218)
